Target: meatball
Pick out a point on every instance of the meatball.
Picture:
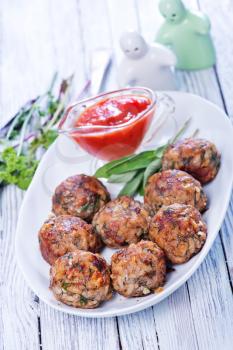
(81, 279)
(138, 269)
(122, 221)
(80, 195)
(198, 157)
(62, 234)
(178, 229)
(174, 186)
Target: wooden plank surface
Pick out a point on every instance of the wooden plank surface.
(224, 71)
(221, 14)
(19, 311)
(57, 35)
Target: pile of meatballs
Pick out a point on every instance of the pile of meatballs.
(166, 229)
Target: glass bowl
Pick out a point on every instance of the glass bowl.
(104, 141)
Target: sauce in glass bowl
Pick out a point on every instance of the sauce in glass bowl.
(111, 125)
(114, 110)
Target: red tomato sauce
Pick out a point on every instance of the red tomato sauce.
(113, 110)
(114, 143)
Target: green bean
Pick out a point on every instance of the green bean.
(152, 168)
(119, 178)
(103, 171)
(131, 187)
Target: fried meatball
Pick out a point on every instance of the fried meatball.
(198, 157)
(179, 231)
(62, 234)
(122, 221)
(81, 279)
(138, 269)
(80, 195)
(174, 186)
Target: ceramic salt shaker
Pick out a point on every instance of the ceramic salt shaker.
(187, 33)
(145, 65)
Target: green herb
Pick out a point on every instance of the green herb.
(119, 178)
(16, 124)
(139, 161)
(33, 127)
(135, 170)
(141, 189)
(65, 285)
(95, 205)
(17, 170)
(91, 206)
(103, 171)
(83, 300)
(84, 207)
(152, 168)
(131, 187)
(44, 140)
(160, 150)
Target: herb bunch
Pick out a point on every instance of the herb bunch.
(29, 133)
(134, 170)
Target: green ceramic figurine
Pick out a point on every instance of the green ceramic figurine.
(187, 33)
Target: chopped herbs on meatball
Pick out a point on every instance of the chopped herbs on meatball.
(121, 222)
(62, 234)
(174, 186)
(81, 279)
(179, 231)
(80, 195)
(198, 157)
(138, 269)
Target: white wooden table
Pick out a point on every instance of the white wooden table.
(37, 38)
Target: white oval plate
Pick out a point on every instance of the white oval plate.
(64, 159)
